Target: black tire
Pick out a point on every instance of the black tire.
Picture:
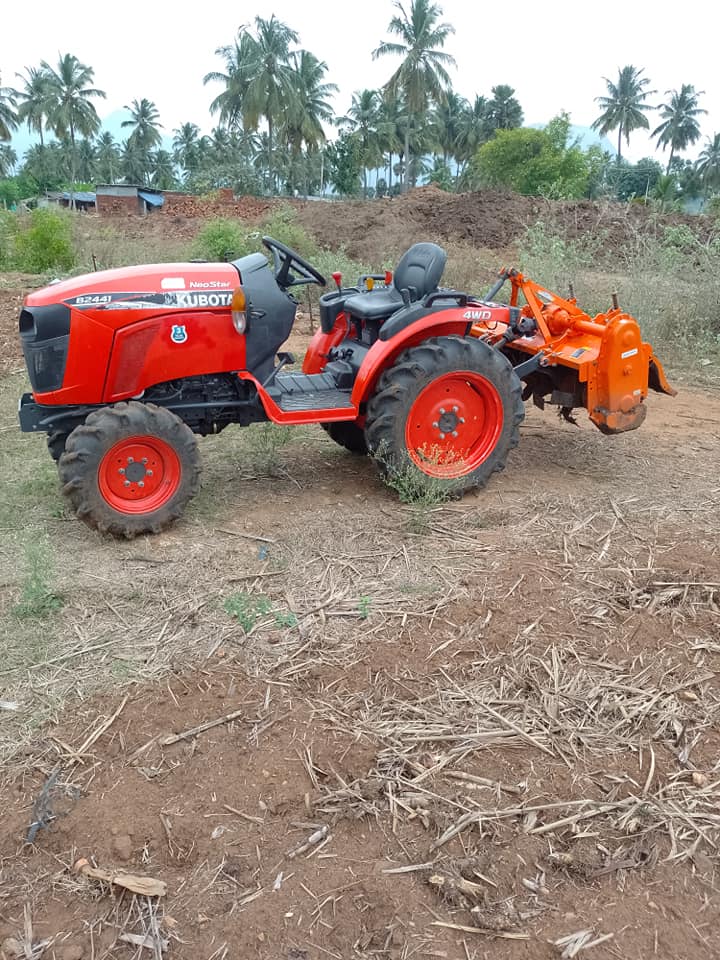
(83, 467)
(56, 444)
(347, 434)
(389, 409)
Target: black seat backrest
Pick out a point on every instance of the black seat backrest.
(420, 269)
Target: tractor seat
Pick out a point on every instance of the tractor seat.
(419, 272)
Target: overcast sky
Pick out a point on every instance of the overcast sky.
(554, 52)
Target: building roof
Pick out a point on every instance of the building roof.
(81, 196)
(154, 199)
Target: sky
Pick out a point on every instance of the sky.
(554, 53)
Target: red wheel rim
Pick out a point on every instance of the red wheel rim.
(139, 475)
(454, 425)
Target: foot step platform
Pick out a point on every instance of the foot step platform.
(309, 391)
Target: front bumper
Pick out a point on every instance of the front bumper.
(38, 418)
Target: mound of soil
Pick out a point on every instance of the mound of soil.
(491, 219)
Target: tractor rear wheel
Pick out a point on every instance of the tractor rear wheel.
(130, 469)
(347, 434)
(446, 415)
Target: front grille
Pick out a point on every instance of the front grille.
(45, 338)
(45, 363)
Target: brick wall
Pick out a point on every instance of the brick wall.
(116, 206)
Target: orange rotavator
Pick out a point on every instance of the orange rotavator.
(127, 366)
(601, 363)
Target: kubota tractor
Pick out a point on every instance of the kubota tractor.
(128, 365)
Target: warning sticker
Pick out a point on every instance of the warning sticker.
(629, 353)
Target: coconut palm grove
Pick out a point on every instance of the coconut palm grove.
(280, 128)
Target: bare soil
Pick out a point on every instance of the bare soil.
(488, 729)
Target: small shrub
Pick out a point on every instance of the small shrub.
(38, 600)
(247, 609)
(364, 606)
(221, 240)
(8, 232)
(263, 445)
(418, 491)
(282, 225)
(42, 242)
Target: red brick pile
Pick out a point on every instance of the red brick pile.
(222, 203)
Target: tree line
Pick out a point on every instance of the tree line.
(276, 103)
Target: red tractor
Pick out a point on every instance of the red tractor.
(128, 365)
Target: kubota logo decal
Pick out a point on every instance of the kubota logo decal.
(178, 333)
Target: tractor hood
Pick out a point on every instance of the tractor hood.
(200, 284)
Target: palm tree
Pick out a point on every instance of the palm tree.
(70, 108)
(8, 117)
(504, 110)
(134, 162)
(391, 132)
(624, 108)
(364, 120)
(229, 102)
(447, 121)
(8, 159)
(186, 146)
(86, 160)
(680, 128)
(107, 158)
(422, 77)
(164, 170)
(261, 82)
(144, 117)
(314, 96)
(35, 100)
(474, 129)
(708, 164)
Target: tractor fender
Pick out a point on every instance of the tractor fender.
(384, 353)
(321, 344)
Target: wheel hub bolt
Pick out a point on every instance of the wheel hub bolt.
(131, 459)
(149, 473)
(461, 420)
(121, 470)
(144, 460)
(455, 409)
(454, 433)
(442, 436)
(436, 424)
(442, 410)
(127, 483)
(141, 483)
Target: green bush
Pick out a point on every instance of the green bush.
(221, 240)
(282, 225)
(38, 600)
(42, 242)
(8, 230)
(36, 242)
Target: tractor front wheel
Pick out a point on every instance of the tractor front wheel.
(130, 469)
(446, 414)
(56, 444)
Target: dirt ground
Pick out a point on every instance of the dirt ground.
(338, 727)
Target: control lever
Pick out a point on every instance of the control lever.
(285, 359)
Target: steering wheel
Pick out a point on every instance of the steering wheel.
(286, 260)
